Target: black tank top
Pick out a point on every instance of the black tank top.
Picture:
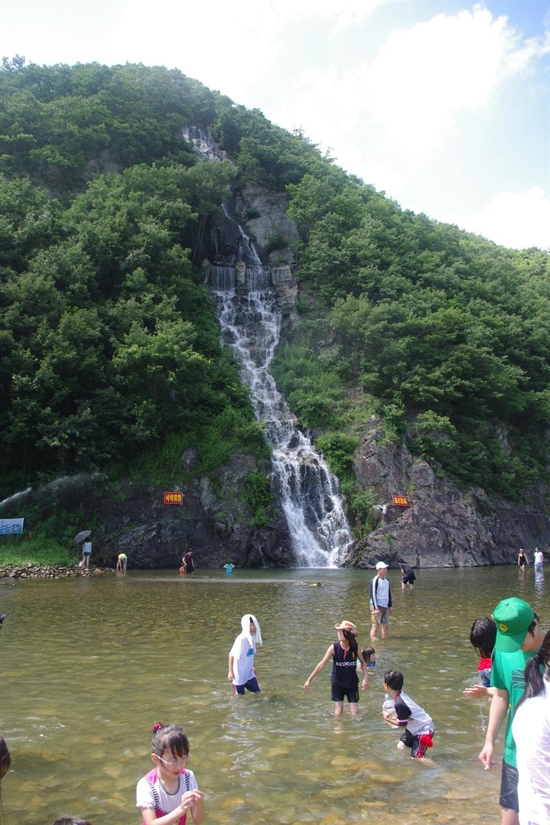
(344, 667)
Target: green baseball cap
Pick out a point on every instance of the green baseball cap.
(512, 618)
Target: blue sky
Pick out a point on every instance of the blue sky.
(444, 105)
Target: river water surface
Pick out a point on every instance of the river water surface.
(89, 664)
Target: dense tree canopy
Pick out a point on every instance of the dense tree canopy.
(109, 345)
(443, 326)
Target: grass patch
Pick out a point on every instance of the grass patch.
(36, 549)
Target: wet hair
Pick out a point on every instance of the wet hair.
(5, 757)
(169, 738)
(483, 635)
(534, 678)
(368, 652)
(353, 647)
(71, 820)
(393, 679)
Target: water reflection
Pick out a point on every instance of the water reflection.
(89, 665)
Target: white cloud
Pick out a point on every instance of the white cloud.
(239, 43)
(345, 12)
(516, 220)
(412, 94)
(424, 77)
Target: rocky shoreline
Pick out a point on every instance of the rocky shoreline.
(49, 571)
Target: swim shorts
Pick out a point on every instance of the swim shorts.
(338, 693)
(252, 685)
(418, 744)
(383, 617)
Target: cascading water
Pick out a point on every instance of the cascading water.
(250, 321)
(203, 143)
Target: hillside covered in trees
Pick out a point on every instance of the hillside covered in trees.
(110, 351)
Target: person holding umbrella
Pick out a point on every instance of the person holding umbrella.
(86, 547)
(86, 553)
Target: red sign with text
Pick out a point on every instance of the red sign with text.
(173, 498)
(400, 501)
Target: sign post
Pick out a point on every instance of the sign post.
(174, 498)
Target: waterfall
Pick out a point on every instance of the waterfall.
(250, 321)
(203, 143)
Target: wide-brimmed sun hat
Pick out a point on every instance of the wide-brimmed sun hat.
(347, 626)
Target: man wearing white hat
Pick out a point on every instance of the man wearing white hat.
(380, 601)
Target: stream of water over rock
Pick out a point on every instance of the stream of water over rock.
(250, 319)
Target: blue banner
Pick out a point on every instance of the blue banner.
(11, 526)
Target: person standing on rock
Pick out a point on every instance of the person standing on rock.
(380, 601)
(86, 553)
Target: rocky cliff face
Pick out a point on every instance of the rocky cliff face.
(126, 517)
(443, 526)
(214, 522)
(263, 216)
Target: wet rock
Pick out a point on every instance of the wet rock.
(443, 526)
(50, 571)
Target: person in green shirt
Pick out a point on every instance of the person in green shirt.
(518, 639)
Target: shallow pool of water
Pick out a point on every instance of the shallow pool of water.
(89, 664)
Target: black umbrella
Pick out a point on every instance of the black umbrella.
(81, 536)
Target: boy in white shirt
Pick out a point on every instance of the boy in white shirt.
(242, 672)
(419, 726)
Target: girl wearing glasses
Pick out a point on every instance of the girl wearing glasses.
(168, 792)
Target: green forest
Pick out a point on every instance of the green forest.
(110, 358)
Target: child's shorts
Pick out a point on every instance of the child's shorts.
(485, 677)
(252, 685)
(417, 744)
(338, 693)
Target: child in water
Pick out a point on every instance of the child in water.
(344, 681)
(483, 634)
(369, 655)
(419, 727)
(242, 671)
(168, 792)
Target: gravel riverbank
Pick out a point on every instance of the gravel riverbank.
(49, 571)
